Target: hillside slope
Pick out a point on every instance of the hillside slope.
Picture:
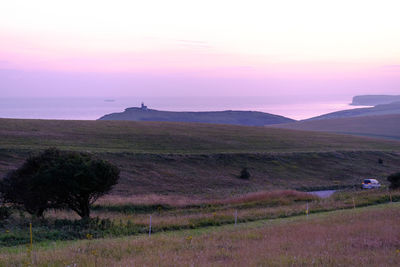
(206, 159)
(217, 175)
(169, 137)
(384, 126)
(248, 118)
(384, 109)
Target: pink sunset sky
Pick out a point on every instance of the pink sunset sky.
(199, 48)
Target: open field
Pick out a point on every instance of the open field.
(113, 217)
(205, 159)
(383, 126)
(340, 238)
(165, 137)
(211, 175)
(186, 176)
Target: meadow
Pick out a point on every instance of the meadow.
(205, 159)
(185, 178)
(169, 137)
(364, 237)
(121, 216)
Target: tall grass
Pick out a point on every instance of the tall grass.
(179, 201)
(130, 219)
(365, 237)
(269, 197)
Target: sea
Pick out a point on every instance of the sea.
(92, 108)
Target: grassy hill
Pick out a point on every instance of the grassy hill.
(195, 158)
(384, 126)
(384, 109)
(248, 118)
(167, 137)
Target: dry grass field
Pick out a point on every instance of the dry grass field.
(217, 175)
(186, 177)
(362, 237)
(168, 137)
(170, 215)
(116, 216)
(204, 159)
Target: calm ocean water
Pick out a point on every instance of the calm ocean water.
(94, 108)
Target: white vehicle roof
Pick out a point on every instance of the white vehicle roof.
(372, 180)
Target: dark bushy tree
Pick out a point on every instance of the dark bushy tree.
(5, 213)
(394, 180)
(86, 179)
(244, 174)
(59, 179)
(30, 186)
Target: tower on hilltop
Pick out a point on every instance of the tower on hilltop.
(143, 107)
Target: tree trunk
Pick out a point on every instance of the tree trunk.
(84, 209)
(39, 213)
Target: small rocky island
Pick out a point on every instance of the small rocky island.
(248, 118)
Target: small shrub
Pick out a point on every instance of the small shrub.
(244, 174)
(394, 180)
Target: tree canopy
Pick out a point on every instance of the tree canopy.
(59, 179)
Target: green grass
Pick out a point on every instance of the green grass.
(205, 159)
(187, 138)
(195, 162)
(211, 175)
(117, 220)
(339, 238)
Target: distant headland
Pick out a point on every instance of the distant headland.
(373, 100)
(247, 118)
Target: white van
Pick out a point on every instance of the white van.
(370, 183)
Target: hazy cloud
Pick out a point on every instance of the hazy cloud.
(16, 83)
(194, 44)
(392, 67)
(4, 63)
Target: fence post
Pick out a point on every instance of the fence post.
(30, 234)
(354, 203)
(150, 227)
(307, 210)
(235, 217)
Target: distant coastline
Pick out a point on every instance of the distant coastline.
(373, 100)
(92, 108)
